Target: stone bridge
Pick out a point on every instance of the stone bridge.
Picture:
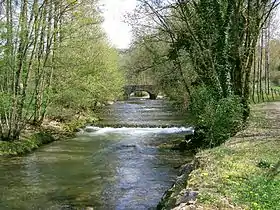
(151, 89)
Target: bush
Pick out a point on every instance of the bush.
(216, 119)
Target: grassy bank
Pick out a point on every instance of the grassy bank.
(242, 173)
(34, 137)
(25, 145)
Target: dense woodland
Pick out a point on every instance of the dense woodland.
(55, 62)
(210, 56)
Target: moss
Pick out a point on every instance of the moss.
(24, 146)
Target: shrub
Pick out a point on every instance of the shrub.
(216, 119)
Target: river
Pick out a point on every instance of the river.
(115, 167)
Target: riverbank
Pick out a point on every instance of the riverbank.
(240, 174)
(34, 137)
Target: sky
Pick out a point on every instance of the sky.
(119, 32)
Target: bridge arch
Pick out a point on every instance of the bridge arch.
(150, 89)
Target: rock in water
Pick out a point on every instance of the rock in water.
(90, 129)
(77, 130)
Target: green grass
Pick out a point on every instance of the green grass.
(236, 175)
(259, 192)
(233, 171)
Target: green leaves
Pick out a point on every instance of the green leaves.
(56, 60)
(219, 118)
(87, 70)
(5, 103)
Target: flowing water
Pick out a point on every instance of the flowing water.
(106, 168)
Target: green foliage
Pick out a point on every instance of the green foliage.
(144, 61)
(24, 146)
(56, 63)
(147, 62)
(74, 123)
(219, 119)
(218, 54)
(5, 102)
(87, 71)
(274, 56)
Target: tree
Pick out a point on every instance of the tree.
(87, 70)
(36, 37)
(27, 48)
(217, 40)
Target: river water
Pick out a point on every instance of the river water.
(106, 168)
